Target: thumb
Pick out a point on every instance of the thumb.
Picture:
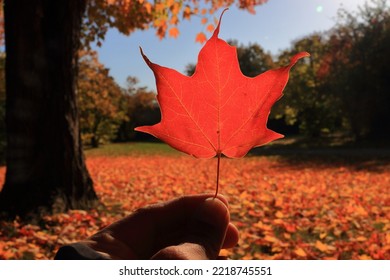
(204, 235)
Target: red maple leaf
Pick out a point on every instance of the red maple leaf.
(217, 110)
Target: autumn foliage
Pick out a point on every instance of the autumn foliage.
(100, 100)
(284, 209)
(164, 16)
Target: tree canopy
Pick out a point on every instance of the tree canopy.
(163, 15)
(99, 101)
(344, 85)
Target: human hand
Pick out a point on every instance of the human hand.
(190, 227)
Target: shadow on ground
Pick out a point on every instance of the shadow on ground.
(299, 153)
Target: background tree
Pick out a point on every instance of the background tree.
(359, 67)
(343, 85)
(307, 100)
(42, 37)
(45, 163)
(253, 59)
(2, 107)
(141, 109)
(164, 15)
(100, 100)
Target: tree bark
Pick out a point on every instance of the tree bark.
(45, 162)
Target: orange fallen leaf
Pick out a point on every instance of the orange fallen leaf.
(300, 252)
(321, 246)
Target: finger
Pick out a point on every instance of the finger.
(231, 238)
(205, 235)
(149, 229)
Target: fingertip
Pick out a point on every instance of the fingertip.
(232, 237)
(223, 199)
(208, 226)
(213, 211)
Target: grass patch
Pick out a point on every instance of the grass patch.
(131, 149)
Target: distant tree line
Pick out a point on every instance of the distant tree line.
(345, 84)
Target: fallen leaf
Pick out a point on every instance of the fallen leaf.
(279, 215)
(125, 183)
(322, 246)
(323, 235)
(300, 252)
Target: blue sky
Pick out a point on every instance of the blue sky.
(274, 26)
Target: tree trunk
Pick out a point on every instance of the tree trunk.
(94, 142)
(45, 162)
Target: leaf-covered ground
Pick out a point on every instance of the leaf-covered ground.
(284, 208)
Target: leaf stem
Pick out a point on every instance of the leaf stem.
(218, 164)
